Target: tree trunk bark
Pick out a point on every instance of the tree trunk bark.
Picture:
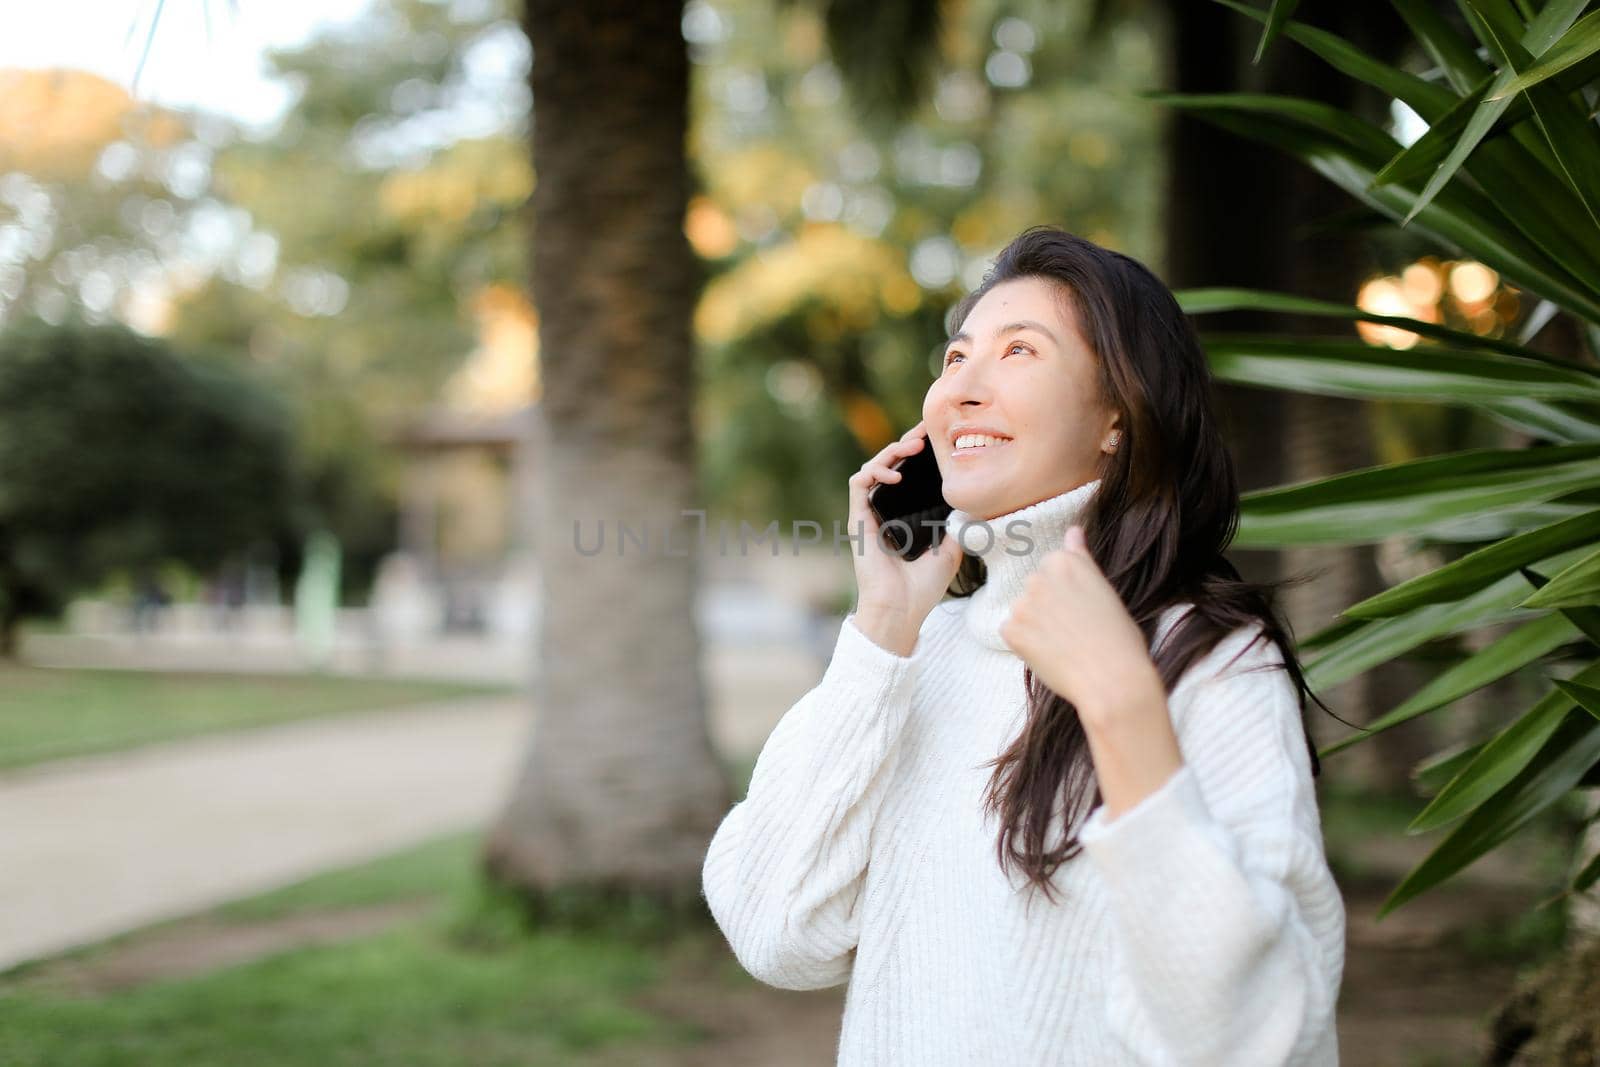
(620, 789)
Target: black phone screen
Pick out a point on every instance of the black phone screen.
(917, 500)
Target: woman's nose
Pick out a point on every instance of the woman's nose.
(970, 385)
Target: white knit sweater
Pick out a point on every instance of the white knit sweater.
(1200, 927)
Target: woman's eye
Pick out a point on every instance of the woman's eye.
(950, 357)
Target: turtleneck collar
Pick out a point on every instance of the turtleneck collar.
(1011, 547)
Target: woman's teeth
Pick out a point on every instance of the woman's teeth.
(971, 442)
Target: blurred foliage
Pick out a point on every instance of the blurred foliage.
(837, 243)
(345, 254)
(96, 193)
(117, 453)
(387, 222)
(384, 232)
(339, 256)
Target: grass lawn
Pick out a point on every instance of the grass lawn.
(462, 986)
(49, 713)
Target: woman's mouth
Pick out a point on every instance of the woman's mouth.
(977, 444)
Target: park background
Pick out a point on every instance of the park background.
(320, 324)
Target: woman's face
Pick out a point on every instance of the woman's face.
(1019, 368)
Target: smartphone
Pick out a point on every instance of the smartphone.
(917, 500)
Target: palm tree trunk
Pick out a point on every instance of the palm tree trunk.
(620, 788)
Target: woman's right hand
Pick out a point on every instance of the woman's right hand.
(894, 595)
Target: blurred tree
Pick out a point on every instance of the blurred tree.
(353, 300)
(117, 453)
(387, 200)
(96, 193)
(620, 789)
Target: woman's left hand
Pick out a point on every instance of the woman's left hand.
(1069, 625)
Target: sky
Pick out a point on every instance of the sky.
(205, 53)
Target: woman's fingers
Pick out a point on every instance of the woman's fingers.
(909, 443)
(880, 469)
(904, 446)
(860, 482)
(884, 461)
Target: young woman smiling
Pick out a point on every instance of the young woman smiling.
(1052, 801)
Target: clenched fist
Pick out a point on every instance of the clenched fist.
(1070, 626)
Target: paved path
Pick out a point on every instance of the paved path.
(93, 847)
(96, 846)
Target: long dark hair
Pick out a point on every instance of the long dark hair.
(1166, 508)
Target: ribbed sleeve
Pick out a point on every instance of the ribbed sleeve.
(785, 869)
(1230, 928)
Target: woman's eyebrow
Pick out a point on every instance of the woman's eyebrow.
(1020, 324)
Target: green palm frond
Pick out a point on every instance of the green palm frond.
(1507, 174)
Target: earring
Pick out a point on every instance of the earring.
(1116, 436)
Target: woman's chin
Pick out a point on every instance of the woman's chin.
(978, 502)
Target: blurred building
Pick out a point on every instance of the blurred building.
(466, 561)
(466, 557)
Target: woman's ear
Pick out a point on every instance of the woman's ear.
(1113, 436)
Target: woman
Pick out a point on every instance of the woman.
(1103, 714)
